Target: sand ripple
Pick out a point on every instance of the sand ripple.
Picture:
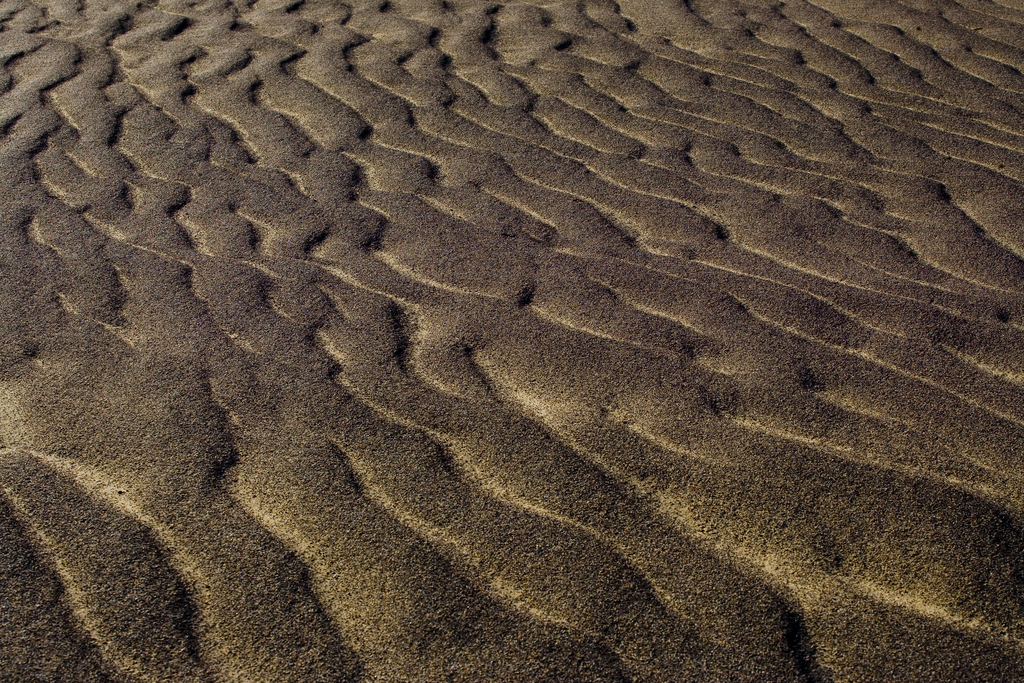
(428, 340)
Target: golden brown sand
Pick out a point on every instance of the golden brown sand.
(423, 340)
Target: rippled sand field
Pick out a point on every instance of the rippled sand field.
(668, 340)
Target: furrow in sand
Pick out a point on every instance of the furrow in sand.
(43, 636)
(117, 574)
(496, 466)
(827, 597)
(235, 649)
(407, 610)
(883, 352)
(383, 585)
(538, 579)
(808, 594)
(238, 593)
(905, 358)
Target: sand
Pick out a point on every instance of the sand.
(421, 340)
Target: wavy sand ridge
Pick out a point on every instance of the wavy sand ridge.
(448, 340)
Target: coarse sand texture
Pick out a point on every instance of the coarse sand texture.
(565, 340)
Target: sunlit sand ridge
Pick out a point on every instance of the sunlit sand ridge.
(430, 340)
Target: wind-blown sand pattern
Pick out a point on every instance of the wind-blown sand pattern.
(429, 340)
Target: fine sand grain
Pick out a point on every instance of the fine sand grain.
(425, 340)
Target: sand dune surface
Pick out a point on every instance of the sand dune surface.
(538, 340)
